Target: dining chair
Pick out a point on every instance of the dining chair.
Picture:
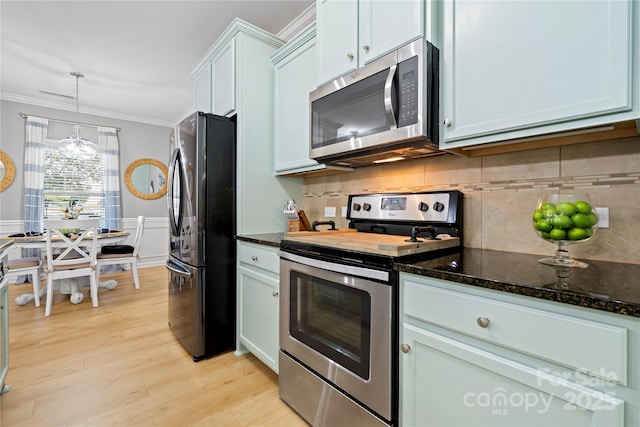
(123, 254)
(26, 266)
(76, 244)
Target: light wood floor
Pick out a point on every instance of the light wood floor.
(119, 364)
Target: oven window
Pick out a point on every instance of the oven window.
(333, 319)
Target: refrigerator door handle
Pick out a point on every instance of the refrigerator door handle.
(171, 266)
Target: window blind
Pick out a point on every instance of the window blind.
(72, 181)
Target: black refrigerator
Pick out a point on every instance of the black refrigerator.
(202, 222)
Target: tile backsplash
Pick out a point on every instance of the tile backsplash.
(501, 191)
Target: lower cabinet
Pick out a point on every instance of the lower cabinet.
(4, 336)
(474, 357)
(258, 302)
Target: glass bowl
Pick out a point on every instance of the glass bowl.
(564, 219)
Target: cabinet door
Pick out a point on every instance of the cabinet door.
(258, 320)
(445, 382)
(224, 80)
(295, 77)
(4, 336)
(512, 66)
(377, 36)
(337, 38)
(202, 90)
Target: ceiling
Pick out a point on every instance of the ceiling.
(136, 55)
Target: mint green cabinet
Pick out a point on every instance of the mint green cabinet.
(223, 74)
(202, 89)
(258, 287)
(472, 356)
(527, 68)
(294, 77)
(4, 336)
(353, 33)
(242, 86)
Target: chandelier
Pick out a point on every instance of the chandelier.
(74, 146)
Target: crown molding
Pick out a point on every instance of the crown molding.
(92, 111)
(237, 26)
(295, 43)
(301, 22)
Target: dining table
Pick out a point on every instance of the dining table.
(72, 286)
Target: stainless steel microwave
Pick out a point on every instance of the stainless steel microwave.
(386, 109)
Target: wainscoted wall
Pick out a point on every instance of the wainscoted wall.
(154, 248)
(501, 191)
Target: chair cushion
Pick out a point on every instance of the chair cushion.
(117, 249)
(114, 256)
(17, 263)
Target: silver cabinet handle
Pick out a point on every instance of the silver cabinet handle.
(483, 322)
(274, 293)
(405, 348)
(254, 258)
(447, 122)
(350, 56)
(365, 47)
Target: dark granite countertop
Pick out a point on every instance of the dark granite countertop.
(607, 286)
(268, 239)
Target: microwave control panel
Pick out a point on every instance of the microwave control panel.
(408, 92)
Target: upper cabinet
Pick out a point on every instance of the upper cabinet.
(223, 73)
(294, 77)
(242, 86)
(202, 89)
(353, 33)
(522, 69)
(214, 82)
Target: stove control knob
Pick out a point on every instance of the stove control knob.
(366, 207)
(439, 207)
(356, 207)
(423, 206)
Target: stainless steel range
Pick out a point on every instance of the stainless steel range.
(339, 304)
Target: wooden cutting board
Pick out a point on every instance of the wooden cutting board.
(350, 239)
(318, 233)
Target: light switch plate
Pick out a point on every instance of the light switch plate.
(330, 211)
(344, 212)
(603, 217)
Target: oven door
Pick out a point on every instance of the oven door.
(339, 324)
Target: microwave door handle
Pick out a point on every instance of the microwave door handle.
(388, 104)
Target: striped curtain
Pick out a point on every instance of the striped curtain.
(108, 143)
(36, 133)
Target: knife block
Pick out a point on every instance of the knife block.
(294, 225)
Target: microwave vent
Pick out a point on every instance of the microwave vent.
(370, 157)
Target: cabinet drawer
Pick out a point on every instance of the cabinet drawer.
(583, 345)
(259, 256)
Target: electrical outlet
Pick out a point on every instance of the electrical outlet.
(330, 211)
(344, 212)
(603, 217)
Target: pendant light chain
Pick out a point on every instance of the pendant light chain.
(77, 147)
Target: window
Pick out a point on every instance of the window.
(74, 182)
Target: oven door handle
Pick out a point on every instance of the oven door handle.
(350, 270)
